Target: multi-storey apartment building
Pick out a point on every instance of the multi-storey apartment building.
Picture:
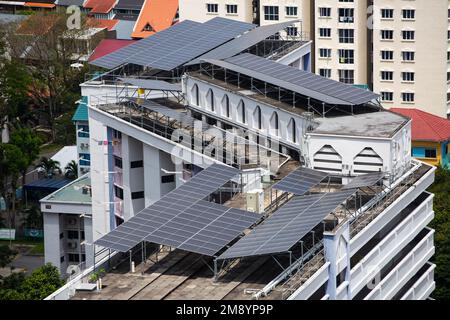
(411, 54)
(204, 10)
(341, 41)
(234, 165)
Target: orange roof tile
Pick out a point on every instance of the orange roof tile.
(39, 5)
(100, 6)
(156, 15)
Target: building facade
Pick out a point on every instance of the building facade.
(204, 10)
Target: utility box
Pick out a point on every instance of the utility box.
(255, 201)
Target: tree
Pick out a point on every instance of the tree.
(26, 140)
(6, 255)
(42, 282)
(49, 166)
(11, 161)
(71, 170)
(33, 217)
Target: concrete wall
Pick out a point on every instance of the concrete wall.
(196, 10)
(53, 226)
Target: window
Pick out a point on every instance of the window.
(271, 13)
(325, 32)
(408, 14)
(291, 11)
(346, 56)
(61, 235)
(292, 131)
(212, 7)
(136, 164)
(325, 12)
(408, 97)
(325, 73)
(72, 234)
(274, 124)
(346, 35)
(85, 159)
(408, 76)
(168, 179)
(347, 76)
(387, 13)
(325, 53)
(387, 96)
(195, 95)
(430, 153)
(232, 8)
(408, 35)
(137, 195)
(226, 106)
(210, 100)
(346, 15)
(83, 131)
(257, 118)
(241, 112)
(292, 31)
(422, 152)
(448, 55)
(61, 259)
(408, 55)
(387, 55)
(118, 162)
(448, 76)
(74, 257)
(118, 192)
(448, 96)
(387, 34)
(387, 75)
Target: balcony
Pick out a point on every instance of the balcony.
(423, 287)
(391, 245)
(404, 270)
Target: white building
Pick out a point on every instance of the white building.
(372, 244)
(204, 10)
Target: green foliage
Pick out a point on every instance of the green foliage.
(6, 255)
(71, 170)
(33, 217)
(41, 283)
(65, 129)
(441, 223)
(29, 144)
(97, 275)
(11, 162)
(49, 166)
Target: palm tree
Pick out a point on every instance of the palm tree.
(71, 170)
(50, 167)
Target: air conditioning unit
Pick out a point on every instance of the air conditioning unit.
(255, 201)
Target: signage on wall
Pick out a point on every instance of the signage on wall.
(7, 234)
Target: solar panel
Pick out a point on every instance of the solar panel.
(173, 47)
(243, 42)
(302, 82)
(365, 180)
(288, 225)
(133, 231)
(300, 181)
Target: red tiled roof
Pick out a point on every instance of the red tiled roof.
(158, 14)
(100, 6)
(102, 23)
(426, 126)
(107, 46)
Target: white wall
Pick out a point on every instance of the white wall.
(52, 242)
(196, 10)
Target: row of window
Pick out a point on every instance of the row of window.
(406, 76)
(133, 164)
(348, 35)
(388, 96)
(214, 8)
(272, 13)
(242, 113)
(346, 56)
(347, 14)
(345, 76)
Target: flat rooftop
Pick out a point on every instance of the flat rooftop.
(382, 124)
(73, 192)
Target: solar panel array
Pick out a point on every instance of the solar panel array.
(203, 227)
(302, 82)
(133, 231)
(173, 47)
(365, 180)
(287, 226)
(243, 42)
(300, 181)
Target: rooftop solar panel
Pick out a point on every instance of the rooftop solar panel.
(300, 181)
(133, 231)
(365, 180)
(173, 47)
(287, 226)
(302, 82)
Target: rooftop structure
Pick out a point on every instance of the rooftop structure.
(155, 16)
(77, 191)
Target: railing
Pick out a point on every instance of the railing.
(423, 287)
(376, 259)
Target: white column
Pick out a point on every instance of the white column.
(152, 174)
(52, 242)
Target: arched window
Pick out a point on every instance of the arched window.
(241, 112)
(195, 95)
(292, 131)
(210, 100)
(226, 106)
(274, 125)
(257, 118)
